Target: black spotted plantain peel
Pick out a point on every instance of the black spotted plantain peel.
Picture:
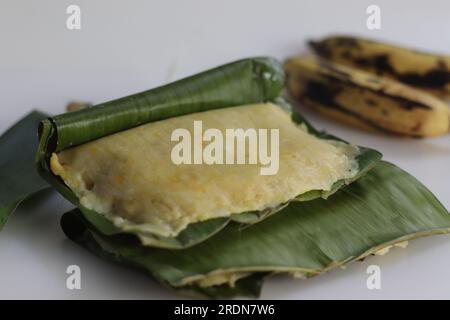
(427, 71)
(365, 100)
(215, 231)
(374, 85)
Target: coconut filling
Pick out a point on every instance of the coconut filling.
(130, 177)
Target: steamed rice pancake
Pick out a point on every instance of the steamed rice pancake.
(129, 176)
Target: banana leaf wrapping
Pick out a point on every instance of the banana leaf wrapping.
(18, 175)
(243, 82)
(382, 208)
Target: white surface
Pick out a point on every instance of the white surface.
(129, 46)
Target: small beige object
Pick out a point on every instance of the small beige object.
(75, 106)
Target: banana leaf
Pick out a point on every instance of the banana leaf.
(243, 82)
(382, 208)
(18, 175)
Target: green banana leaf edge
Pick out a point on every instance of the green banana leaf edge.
(18, 174)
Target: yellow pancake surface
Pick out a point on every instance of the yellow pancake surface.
(131, 179)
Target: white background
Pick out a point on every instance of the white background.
(129, 46)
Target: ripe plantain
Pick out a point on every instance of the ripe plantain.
(426, 71)
(365, 100)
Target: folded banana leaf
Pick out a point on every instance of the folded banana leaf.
(18, 175)
(382, 208)
(243, 82)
